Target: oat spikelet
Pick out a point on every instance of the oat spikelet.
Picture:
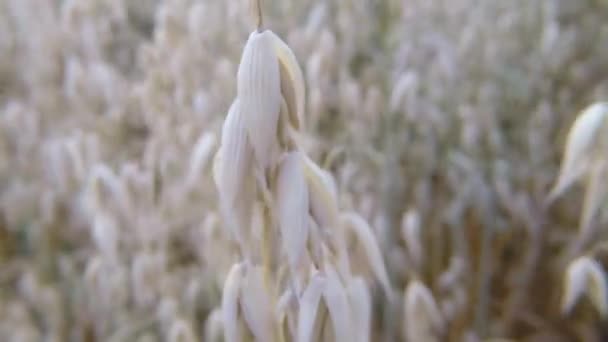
(410, 232)
(181, 331)
(309, 306)
(585, 275)
(259, 93)
(581, 141)
(338, 305)
(256, 304)
(230, 304)
(214, 330)
(292, 203)
(323, 199)
(423, 319)
(232, 173)
(292, 81)
(361, 304)
(598, 290)
(200, 157)
(368, 240)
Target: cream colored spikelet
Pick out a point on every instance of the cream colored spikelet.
(230, 304)
(340, 311)
(360, 300)
(256, 304)
(411, 234)
(585, 156)
(199, 158)
(584, 139)
(292, 204)
(292, 81)
(309, 305)
(367, 239)
(585, 276)
(259, 92)
(232, 174)
(423, 320)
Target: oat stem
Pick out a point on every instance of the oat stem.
(257, 5)
(267, 243)
(484, 281)
(267, 260)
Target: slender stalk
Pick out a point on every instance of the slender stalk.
(259, 23)
(267, 250)
(267, 245)
(483, 287)
(485, 266)
(519, 299)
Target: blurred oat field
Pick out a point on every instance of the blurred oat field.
(438, 126)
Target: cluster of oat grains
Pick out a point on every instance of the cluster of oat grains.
(294, 281)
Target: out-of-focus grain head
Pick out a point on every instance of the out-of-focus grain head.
(105, 191)
(181, 330)
(106, 234)
(199, 158)
(214, 329)
(423, 319)
(367, 239)
(585, 276)
(586, 139)
(411, 234)
(585, 157)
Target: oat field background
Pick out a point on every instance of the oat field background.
(440, 124)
